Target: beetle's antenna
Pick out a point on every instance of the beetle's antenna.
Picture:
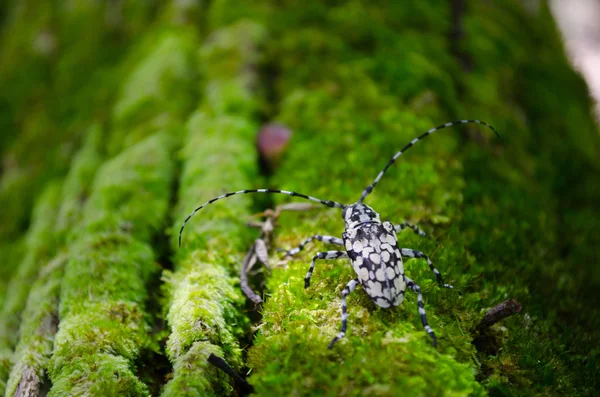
(329, 203)
(369, 188)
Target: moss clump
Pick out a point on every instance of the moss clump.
(159, 90)
(378, 340)
(40, 319)
(203, 301)
(529, 218)
(142, 173)
(194, 374)
(104, 325)
(36, 331)
(78, 182)
(40, 246)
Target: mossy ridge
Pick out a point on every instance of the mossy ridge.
(536, 203)
(36, 331)
(202, 300)
(40, 319)
(160, 89)
(103, 320)
(78, 182)
(39, 247)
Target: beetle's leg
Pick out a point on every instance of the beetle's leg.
(345, 292)
(411, 284)
(322, 255)
(414, 228)
(325, 239)
(418, 254)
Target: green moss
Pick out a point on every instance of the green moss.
(104, 323)
(203, 301)
(355, 82)
(56, 84)
(39, 247)
(502, 220)
(378, 340)
(525, 217)
(37, 329)
(159, 90)
(77, 185)
(139, 174)
(195, 376)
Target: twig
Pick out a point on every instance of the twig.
(241, 384)
(500, 312)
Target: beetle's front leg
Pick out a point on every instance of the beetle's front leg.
(415, 228)
(322, 255)
(318, 237)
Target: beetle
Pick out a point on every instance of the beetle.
(370, 244)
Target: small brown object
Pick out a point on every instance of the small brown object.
(499, 312)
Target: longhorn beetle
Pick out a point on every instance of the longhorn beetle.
(371, 245)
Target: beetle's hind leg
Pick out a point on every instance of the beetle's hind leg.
(418, 254)
(412, 285)
(345, 292)
(318, 237)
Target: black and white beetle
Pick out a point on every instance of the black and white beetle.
(371, 246)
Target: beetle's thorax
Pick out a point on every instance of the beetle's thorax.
(358, 214)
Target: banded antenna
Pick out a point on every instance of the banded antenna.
(369, 188)
(329, 203)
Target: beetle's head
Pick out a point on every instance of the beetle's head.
(359, 213)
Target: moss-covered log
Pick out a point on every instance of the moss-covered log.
(169, 95)
(39, 321)
(39, 248)
(203, 301)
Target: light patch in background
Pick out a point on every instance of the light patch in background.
(579, 22)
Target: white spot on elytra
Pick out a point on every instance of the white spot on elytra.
(348, 245)
(380, 274)
(398, 300)
(363, 273)
(399, 284)
(375, 258)
(390, 272)
(382, 303)
(357, 246)
(399, 266)
(376, 290)
(391, 239)
(385, 256)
